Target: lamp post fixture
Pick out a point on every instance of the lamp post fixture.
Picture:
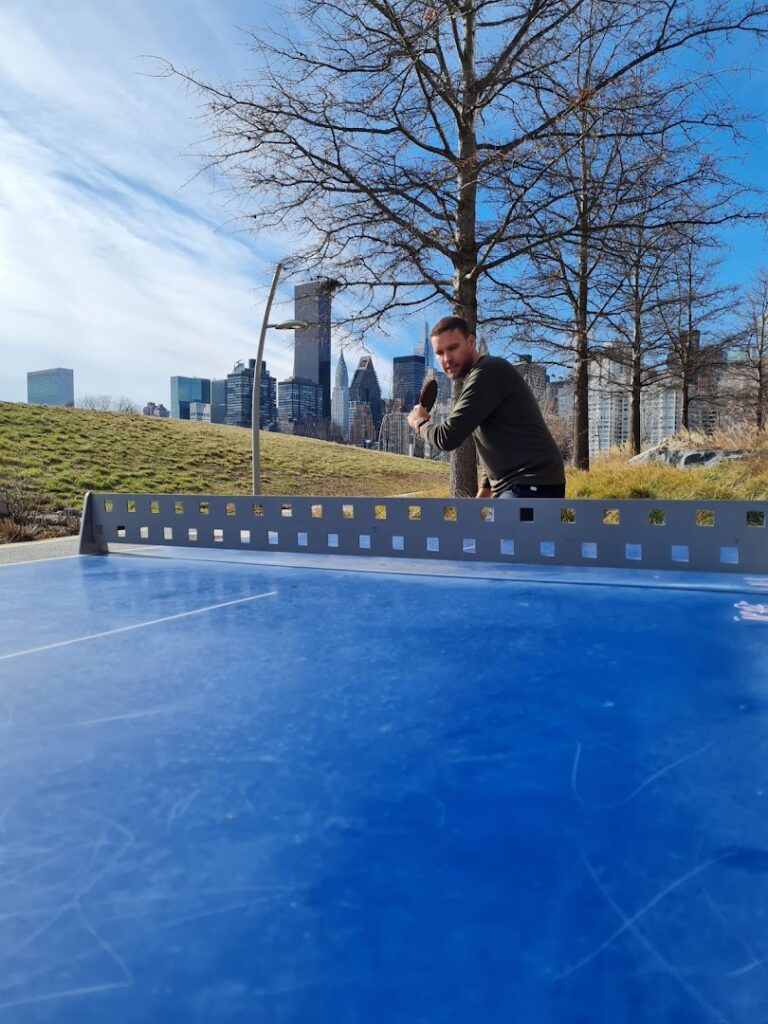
(285, 325)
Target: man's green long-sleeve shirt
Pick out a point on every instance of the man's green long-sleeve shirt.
(513, 442)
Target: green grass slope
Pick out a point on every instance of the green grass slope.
(70, 451)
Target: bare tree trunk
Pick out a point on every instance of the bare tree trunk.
(581, 338)
(581, 399)
(635, 433)
(464, 458)
(636, 368)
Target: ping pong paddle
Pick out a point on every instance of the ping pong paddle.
(428, 396)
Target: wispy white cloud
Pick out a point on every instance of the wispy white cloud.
(117, 258)
(111, 263)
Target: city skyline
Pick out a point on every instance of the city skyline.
(381, 423)
(123, 260)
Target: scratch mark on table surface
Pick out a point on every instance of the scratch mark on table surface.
(180, 807)
(56, 855)
(128, 716)
(499, 755)
(574, 774)
(37, 932)
(6, 811)
(85, 990)
(737, 972)
(638, 789)
(630, 924)
(736, 932)
(127, 975)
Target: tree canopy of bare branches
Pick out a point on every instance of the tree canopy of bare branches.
(108, 403)
(749, 353)
(406, 143)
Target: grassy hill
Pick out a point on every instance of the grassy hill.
(70, 451)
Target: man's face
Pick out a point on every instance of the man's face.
(455, 353)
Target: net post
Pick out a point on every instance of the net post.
(88, 543)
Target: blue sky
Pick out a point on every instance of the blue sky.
(116, 258)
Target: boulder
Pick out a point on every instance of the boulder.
(674, 455)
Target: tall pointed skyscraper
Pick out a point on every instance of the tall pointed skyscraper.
(365, 389)
(340, 398)
(426, 349)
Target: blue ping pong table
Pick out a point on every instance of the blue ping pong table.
(244, 782)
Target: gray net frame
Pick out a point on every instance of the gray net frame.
(699, 536)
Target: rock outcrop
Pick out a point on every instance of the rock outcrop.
(675, 455)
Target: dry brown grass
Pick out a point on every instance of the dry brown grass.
(612, 476)
(745, 437)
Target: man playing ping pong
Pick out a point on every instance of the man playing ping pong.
(518, 454)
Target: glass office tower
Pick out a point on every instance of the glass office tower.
(185, 390)
(51, 387)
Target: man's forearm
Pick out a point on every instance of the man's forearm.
(472, 407)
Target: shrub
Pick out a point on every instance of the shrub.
(11, 532)
(22, 505)
(23, 498)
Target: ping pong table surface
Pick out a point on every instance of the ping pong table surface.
(243, 787)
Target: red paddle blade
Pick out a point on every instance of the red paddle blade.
(428, 395)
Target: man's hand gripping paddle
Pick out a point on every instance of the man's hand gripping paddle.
(428, 396)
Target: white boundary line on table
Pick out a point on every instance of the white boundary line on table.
(137, 625)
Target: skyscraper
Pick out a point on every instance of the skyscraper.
(424, 348)
(219, 400)
(51, 387)
(608, 397)
(240, 394)
(362, 430)
(267, 398)
(298, 401)
(152, 409)
(396, 435)
(535, 376)
(407, 378)
(365, 388)
(312, 353)
(340, 398)
(200, 412)
(185, 390)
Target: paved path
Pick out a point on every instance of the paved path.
(32, 550)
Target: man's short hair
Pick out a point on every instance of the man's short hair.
(450, 323)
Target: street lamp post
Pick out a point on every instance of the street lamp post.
(286, 325)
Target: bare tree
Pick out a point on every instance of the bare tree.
(695, 307)
(593, 181)
(107, 403)
(683, 193)
(749, 353)
(627, 163)
(386, 135)
(640, 266)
